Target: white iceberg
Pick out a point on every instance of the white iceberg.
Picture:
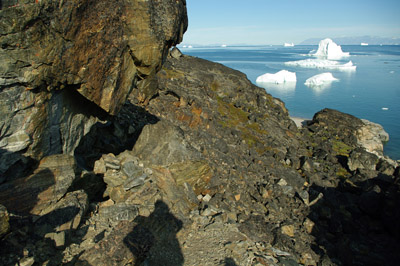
(323, 80)
(280, 77)
(322, 64)
(288, 44)
(283, 89)
(329, 50)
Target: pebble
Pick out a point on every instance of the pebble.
(206, 198)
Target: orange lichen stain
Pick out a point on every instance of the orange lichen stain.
(184, 117)
(289, 134)
(197, 111)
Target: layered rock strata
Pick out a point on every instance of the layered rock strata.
(66, 65)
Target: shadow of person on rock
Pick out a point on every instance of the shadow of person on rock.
(153, 240)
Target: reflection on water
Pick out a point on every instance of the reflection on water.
(320, 88)
(283, 89)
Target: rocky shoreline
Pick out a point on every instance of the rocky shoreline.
(191, 164)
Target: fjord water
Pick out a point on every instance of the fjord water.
(370, 92)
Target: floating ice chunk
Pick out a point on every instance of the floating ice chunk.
(323, 64)
(288, 44)
(323, 80)
(280, 77)
(330, 50)
(385, 108)
(283, 89)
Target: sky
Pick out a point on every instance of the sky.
(279, 21)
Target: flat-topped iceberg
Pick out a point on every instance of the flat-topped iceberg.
(329, 50)
(280, 77)
(322, 64)
(323, 80)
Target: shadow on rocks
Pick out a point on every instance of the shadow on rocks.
(356, 223)
(153, 240)
(229, 262)
(116, 135)
(30, 238)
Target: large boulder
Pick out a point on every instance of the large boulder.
(99, 48)
(65, 64)
(352, 131)
(163, 144)
(37, 193)
(371, 136)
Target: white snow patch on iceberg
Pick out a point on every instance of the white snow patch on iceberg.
(329, 50)
(280, 77)
(323, 80)
(322, 64)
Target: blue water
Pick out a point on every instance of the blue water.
(363, 93)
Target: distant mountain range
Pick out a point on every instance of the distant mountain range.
(371, 40)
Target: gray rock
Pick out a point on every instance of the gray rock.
(371, 136)
(176, 53)
(163, 144)
(360, 159)
(119, 212)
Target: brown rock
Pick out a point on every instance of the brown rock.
(4, 225)
(99, 47)
(39, 191)
(63, 63)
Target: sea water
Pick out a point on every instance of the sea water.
(370, 92)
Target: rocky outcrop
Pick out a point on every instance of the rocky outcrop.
(350, 130)
(64, 65)
(99, 48)
(372, 136)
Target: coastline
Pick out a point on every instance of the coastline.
(300, 121)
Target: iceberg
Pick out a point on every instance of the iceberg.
(329, 50)
(322, 64)
(288, 44)
(280, 77)
(320, 81)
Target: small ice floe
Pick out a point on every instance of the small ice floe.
(280, 77)
(391, 72)
(322, 64)
(330, 50)
(320, 81)
(288, 44)
(385, 108)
